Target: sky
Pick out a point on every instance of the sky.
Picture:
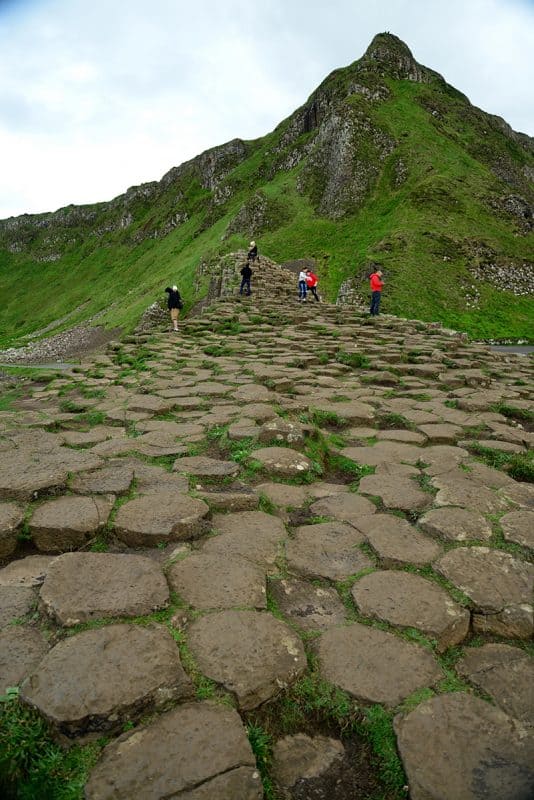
(100, 95)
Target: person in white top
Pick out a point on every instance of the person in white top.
(303, 286)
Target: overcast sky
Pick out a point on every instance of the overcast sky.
(99, 95)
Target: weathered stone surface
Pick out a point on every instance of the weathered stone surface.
(281, 430)
(184, 429)
(520, 493)
(302, 757)
(29, 571)
(99, 678)
(353, 411)
(455, 524)
(68, 522)
(393, 435)
(115, 479)
(443, 458)
(506, 674)
(441, 432)
(499, 585)
(238, 498)
(15, 602)
(457, 489)
(409, 601)
(253, 393)
(252, 654)
(518, 527)
(396, 542)
(150, 403)
(82, 586)
(395, 491)
(374, 666)
(100, 433)
(198, 751)
(209, 582)
(384, 452)
(283, 461)
(326, 550)
(202, 466)
(253, 535)
(457, 747)
(11, 517)
(310, 607)
(345, 507)
(21, 650)
(160, 517)
(283, 494)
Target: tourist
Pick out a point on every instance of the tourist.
(303, 286)
(246, 275)
(311, 283)
(252, 254)
(377, 284)
(174, 304)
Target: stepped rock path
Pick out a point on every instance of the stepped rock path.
(207, 533)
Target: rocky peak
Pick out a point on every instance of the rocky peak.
(387, 54)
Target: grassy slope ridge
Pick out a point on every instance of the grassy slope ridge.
(424, 206)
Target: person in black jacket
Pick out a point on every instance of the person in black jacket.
(253, 252)
(246, 275)
(174, 304)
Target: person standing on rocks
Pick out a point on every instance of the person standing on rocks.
(174, 304)
(246, 275)
(252, 254)
(303, 285)
(377, 284)
(311, 283)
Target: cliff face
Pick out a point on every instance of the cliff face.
(384, 143)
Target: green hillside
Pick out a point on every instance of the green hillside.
(385, 163)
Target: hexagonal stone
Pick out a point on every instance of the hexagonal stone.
(11, 517)
(395, 491)
(384, 452)
(148, 402)
(353, 411)
(82, 586)
(21, 650)
(457, 489)
(253, 655)
(409, 601)
(520, 493)
(204, 467)
(310, 607)
(374, 666)
(441, 432)
(455, 524)
(184, 429)
(99, 678)
(499, 585)
(301, 758)
(100, 433)
(458, 747)
(443, 458)
(283, 461)
(253, 535)
(518, 527)
(346, 507)
(68, 522)
(396, 542)
(114, 479)
(506, 673)
(239, 498)
(392, 435)
(208, 582)
(160, 517)
(327, 550)
(198, 751)
(283, 494)
(253, 393)
(281, 430)
(15, 603)
(29, 571)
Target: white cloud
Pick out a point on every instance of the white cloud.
(95, 97)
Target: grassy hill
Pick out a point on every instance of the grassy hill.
(385, 163)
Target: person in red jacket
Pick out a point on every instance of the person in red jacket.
(377, 284)
(311, 282)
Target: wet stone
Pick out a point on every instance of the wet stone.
(409, 601)
(374, 666)
(283, 461)
(160, 517)
(518, 527)
(326, 550)
(345, 506)
(82, 586)
(499, 585)
(68, 522)
(208, 582)
(506, 674)
(252, 654)
(197, 751)
(29, 571)
(301, 758)
(202, 466)
(253, 535)
(396, 542)
(11, 517)
(395, 491)
(21, 650)
(310, 607)
(455, 524)
(15, 602)
(100, 678)
(457, 747)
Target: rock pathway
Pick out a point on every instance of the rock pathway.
(221, 514)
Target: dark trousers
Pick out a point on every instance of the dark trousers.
(375, 304)
(313, 290)
(245, 283)
(302, 290)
